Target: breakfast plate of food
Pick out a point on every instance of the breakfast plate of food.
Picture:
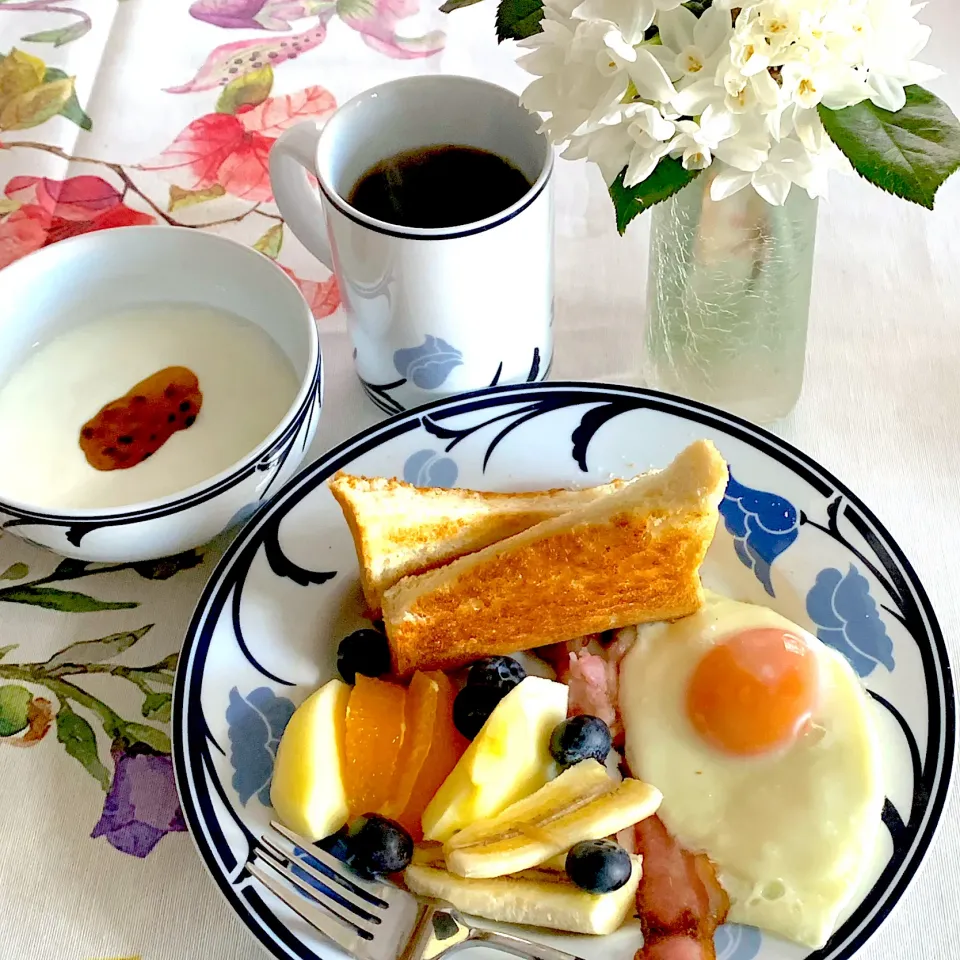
(615, 667)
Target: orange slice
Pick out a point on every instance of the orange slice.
(374, 739)
(436, 752)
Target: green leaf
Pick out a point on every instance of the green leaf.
(69, 569)
(67, 601)
(5, 650)
(61, 35)
(80, 742)
(151, 736)
(8, 206)
(14, 701)
(271, 242)
(189, 198)
(156, 706)
(97, 651)
(248, 90)
(16, 571)
(452, 5)
(518, 19)
(668, 178)
(909, 153)
(71, 109)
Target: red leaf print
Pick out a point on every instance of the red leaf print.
(56, 209)
(20, 234)
(77, 198)
(245, 173)
(277, 114)
(200, 150)
(322, 296)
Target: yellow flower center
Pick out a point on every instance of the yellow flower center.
(693, 63)
(807, 88)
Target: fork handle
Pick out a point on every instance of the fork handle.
(517, 946)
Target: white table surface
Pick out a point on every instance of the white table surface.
(880, 408)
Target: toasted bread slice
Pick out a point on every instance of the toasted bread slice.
(400, 529)
(632, 556)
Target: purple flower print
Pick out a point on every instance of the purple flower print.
(141, 806)
(250, 14)
(375, 21)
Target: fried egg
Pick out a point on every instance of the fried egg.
(761, 740)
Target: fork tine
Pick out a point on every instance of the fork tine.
(288, 859)
(311, 910)
(337, 868)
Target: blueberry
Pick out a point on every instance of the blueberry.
(337, 845)
(377, 846)
(364, 651)
(580, 738)
(598, 866)
(496, 673)
(472, 706)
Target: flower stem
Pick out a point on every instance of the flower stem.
(53, 578)
(129, 185)
(113, 724)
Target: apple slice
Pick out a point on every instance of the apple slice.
(307, 791)
(509, 759)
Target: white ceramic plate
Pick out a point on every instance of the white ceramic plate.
(793, 537)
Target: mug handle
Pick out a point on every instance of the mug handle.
(291, 158)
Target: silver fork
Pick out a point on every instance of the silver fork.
(372, 920)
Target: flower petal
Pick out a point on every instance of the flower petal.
(650, 78)
(694, 99)
(677, 28)
(727, 183)
(885, 92)
(712, 29)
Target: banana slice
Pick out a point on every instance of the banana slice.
(584, 802)
(540, 903)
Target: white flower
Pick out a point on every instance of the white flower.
(786, 163)
(690, 49)
(632, 17)
(895, 39)
(576, 79)
(696, 142)
(636, 139)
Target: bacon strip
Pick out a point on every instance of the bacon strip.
(590, 667)
(680, 900)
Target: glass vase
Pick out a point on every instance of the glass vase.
(729, 298)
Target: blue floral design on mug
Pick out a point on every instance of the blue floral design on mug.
(763, 526)
(428, 365)
(847, 619)
(425, 468)
(255, 723)
(734, 941)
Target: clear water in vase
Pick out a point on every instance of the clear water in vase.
(729, 298)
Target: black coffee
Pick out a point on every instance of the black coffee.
(441, 186)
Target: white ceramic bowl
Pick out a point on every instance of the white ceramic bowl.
(73, 281)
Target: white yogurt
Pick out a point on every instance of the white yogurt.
(248, 384)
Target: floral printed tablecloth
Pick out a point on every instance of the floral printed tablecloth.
(118, 112)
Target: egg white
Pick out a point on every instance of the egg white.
(790, 832)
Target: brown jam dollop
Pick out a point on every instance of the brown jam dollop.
(132, 428)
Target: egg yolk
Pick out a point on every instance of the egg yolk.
(753, 692)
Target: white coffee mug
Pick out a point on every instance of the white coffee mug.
(431, 312)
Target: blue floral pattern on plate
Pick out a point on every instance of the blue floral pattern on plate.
(254, 725)
(428, 365)
(762, 525)
(847, 619)
(736, 942)
(425, 468)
